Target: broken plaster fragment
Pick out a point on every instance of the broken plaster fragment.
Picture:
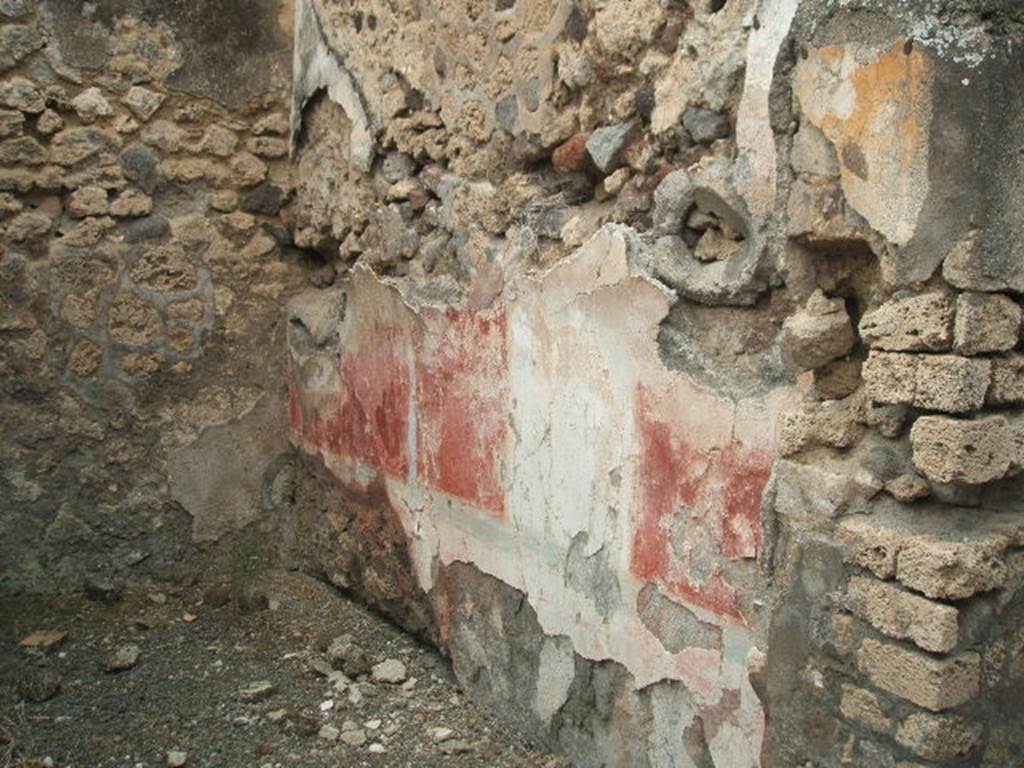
(317, 67)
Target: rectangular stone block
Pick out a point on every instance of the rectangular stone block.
(985, 322)
(890, 377)
(951, 383)
(913, 324)
(972, 451)
(903, 615)
(938, 737)
(952, 570)
(1007, 380)
(928, 681)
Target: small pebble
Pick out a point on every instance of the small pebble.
(354, 738)
(329, 733)
(125, 657)
(176, 758)
(258, 691)
(389, 671)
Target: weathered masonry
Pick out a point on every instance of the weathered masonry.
(659, 360)
(672, 388)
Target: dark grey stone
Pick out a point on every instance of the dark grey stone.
(705, 126)
(266, 199)
(506, 113)
(150, 228)
(605, 145)
(141, 166)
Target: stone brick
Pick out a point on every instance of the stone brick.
(821, 490)
(903, 615)
(817, 334)
(1007, 380)
(985, 322)
(915, 324)
(952, 450)
(861, 706)
(834, 423)
(950, 383)
(890, 377)
(930, 682)
(951, 570)
(938, 737)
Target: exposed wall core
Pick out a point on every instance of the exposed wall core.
(667, 339)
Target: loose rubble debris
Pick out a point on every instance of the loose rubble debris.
(197, 700)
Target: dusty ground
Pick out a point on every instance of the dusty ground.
(183, 692)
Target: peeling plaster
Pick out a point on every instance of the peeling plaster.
(315, 67)
(577, 345)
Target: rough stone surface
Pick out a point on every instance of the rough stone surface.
(912, 324)
(938, 737)
(985, 323)
(606, 145)
(818, 334)
(903, 615)
(933, 683)
(973, 451)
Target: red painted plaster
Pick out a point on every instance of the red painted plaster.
(462, 397)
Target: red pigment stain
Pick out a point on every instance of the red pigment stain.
(296, 417)
(746, 474)
(368, 418)
(721, 489)
(462, 395)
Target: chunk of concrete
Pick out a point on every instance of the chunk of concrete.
(818, 334)
(913, 324)
(952, 450)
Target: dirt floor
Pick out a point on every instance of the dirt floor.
(194, 688)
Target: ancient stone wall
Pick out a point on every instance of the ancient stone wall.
(669, 375)
(662, 363)
(144, 260)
